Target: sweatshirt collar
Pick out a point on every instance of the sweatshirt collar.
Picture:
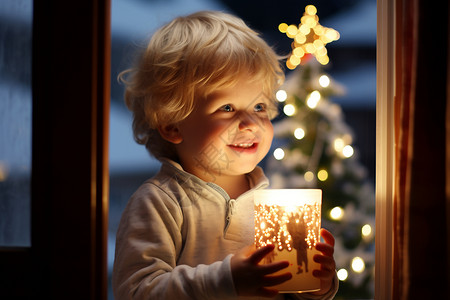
(256, 178)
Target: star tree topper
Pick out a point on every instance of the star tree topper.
(309, 37)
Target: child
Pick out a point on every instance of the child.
(202, 99)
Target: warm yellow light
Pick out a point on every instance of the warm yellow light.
(291, 31)
(309, 176)
(281, 95)
(358, 264)
(299, 52)
(366, 230)
(289, 65)
(347, 151)
(311, 10)
(313, 99)
(294, 60)
(323, 60)
(309, 36)
(309, 47)
(300, 38)
(322, 175)
(331, 34)
(339, 144)
(337, 213)
(283, 27)
(299, 133)
(324, 81)
(278, 154)
(305, 29)
(309, 21)
(318, 44)
(342, 274)
(289, 110)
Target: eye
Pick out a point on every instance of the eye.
(260, 107)
(227, 108)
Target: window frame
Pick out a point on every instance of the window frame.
(69, 182)
(385, 149)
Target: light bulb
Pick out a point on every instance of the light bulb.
(281, 95)
(342, 274)
(324, 81)
(278, 154)
(299, 133)
(358, 264)
(289, 110)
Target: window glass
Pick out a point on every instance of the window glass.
(15, 121)
(349, 89)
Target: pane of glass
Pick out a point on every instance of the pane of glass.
(348, 90)
(15, 121)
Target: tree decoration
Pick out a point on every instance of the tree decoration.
(310, 38)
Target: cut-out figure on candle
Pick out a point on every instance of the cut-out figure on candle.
(297, 230)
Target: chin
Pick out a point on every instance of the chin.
(245, 168)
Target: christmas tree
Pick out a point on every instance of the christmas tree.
(314, 150)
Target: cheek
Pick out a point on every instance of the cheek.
(268, 134)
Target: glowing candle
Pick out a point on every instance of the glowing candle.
(290, 219)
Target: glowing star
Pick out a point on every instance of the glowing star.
(309, 38)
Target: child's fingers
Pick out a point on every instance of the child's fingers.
(326, 249)
(326, 262)
(323, 274)
(276, 279)
(260, 253)
(327, 236)
(273, 267)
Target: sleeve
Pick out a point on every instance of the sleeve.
(308, 296)
(149, 240)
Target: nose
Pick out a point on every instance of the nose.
(247, 122)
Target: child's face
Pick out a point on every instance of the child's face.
(227, 134)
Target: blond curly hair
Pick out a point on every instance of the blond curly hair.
(186, 60)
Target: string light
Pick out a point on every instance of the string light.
(289, 110)
(366, 230)
(322, 175)
(309, 38)
(278, 154)
(309, 176)
(342, 274)
(281, 95)
(341, 147)
(313, 99)
(337, 213)
(339, 144)
(324, 81)
(347, 151)
(299, 133)
(358, 264)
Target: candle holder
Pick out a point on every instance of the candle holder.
(290, 219)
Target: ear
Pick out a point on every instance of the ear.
(170, 133)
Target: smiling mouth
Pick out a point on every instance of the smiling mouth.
(244, 146)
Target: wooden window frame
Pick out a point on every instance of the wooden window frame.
(385, 152)
(69, 183)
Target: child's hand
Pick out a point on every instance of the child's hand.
(251, 278)
(327, 263)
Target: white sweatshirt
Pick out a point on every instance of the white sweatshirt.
(177, 235)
